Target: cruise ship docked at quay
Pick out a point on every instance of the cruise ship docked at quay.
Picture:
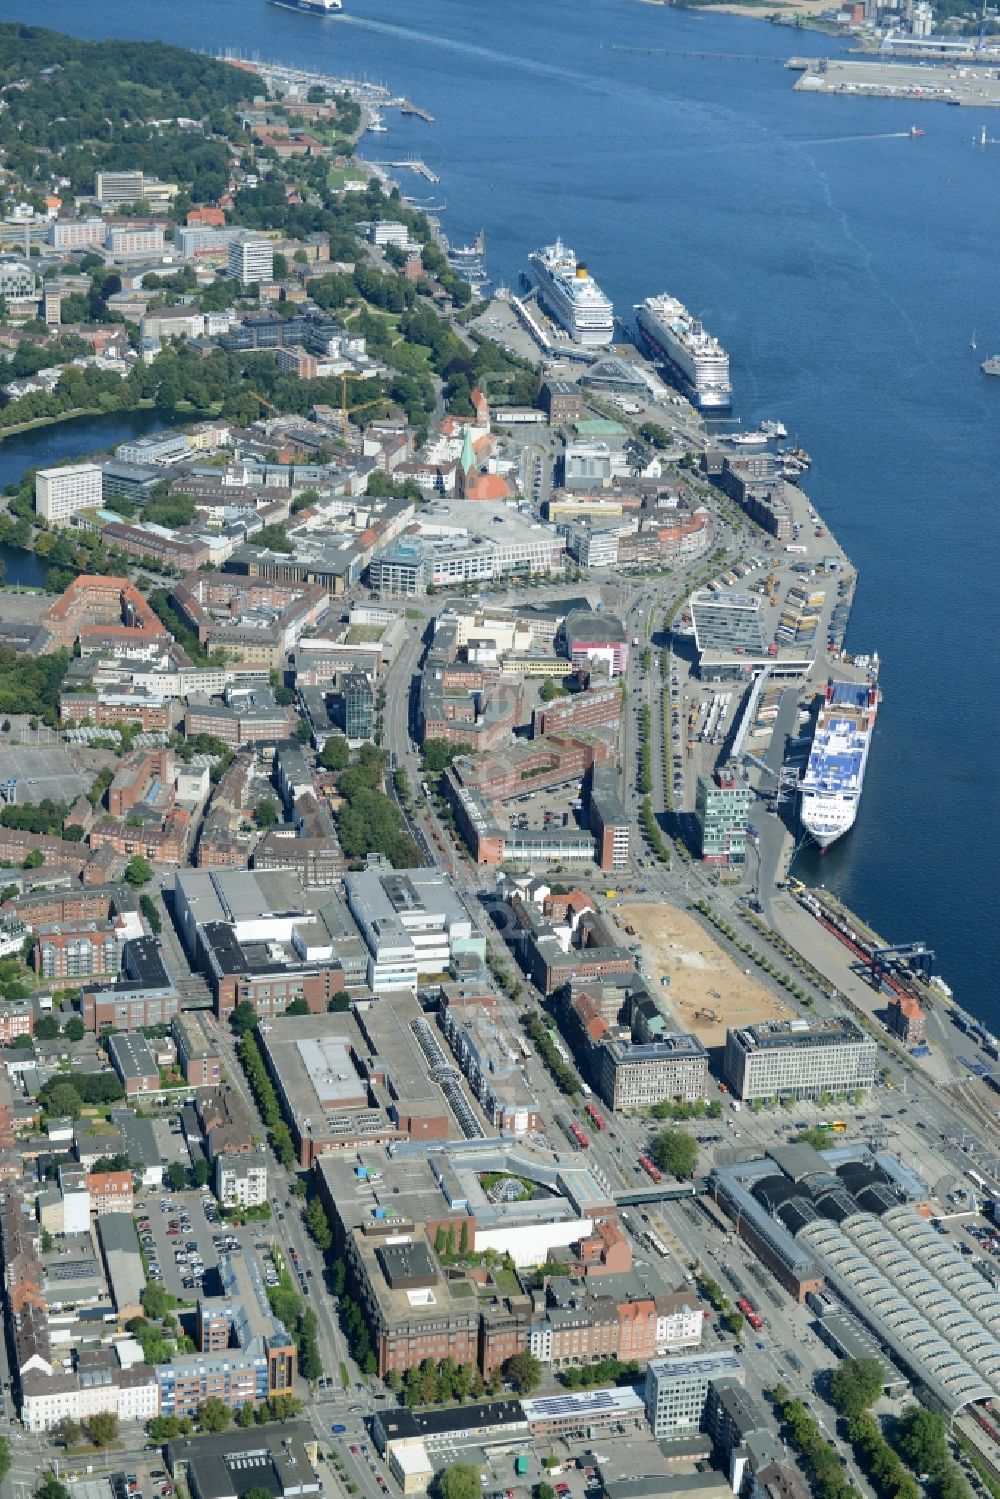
(830, 789)
(571, 296)
(698, 360)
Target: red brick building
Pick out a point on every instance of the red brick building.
(110, 1191)
(105, 610)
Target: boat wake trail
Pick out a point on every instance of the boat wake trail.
(486, 54)
(842, 140)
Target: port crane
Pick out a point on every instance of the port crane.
(916, 956)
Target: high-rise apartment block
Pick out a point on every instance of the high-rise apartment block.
(251, 259)
(722, 810)
(62, 492)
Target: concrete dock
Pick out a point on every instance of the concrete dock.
(969, 87)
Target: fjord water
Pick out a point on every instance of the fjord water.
(844, 266)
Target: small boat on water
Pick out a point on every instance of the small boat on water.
(914, 132)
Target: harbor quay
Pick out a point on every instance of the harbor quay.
(946, 84)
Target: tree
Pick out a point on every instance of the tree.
(734, 1322)
(51, 1488)
(67, 1431)
(523, 1371)
(63, 1101)
(243, 1019)
(856, 1384)
(154, 1301)
(818, 1138)
(200, 1172)
(457, 1481)
(152, 915)
(74, 1029)
(439, 753)
(101, 1429)
(335, 754)
(34, 860)
(214, 1415)
(139, 871)
(176, 1177)
(273, 538)
(922, 1439)
(341, 1002)
(265, 814)
(46, 1028)
(676, 1152)
(319, 1224)
(46, 1241)
(544, 1491)
(245, 1416)
(298, 1006)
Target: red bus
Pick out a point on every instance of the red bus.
(650, 1170)
(752, 1317)
(579, 1136)
(596, 1118)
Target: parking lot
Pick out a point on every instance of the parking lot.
(42, 771)
(183, 1234)
(173, 1224)
(145, 1480)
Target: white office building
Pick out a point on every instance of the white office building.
(799, 1059)
(251, 259)
(63, 492)
(410, 920)
(677, 1390)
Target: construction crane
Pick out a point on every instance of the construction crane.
(347, 411)
(262, 399)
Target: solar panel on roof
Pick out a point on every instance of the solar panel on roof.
(567, 1405)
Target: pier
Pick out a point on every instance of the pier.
(406, 108)
(420, 167)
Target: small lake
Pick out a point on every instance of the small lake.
(61, 441)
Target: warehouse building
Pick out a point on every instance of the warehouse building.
(122, 1263)
(227, 1465)
(950, 1381)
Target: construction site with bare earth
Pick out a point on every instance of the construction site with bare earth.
(705, 990)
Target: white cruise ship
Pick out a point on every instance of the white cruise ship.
(830, 790)
(696, 358)
(571, 296)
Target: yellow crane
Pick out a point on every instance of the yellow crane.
(348, 411)
(262, 399)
